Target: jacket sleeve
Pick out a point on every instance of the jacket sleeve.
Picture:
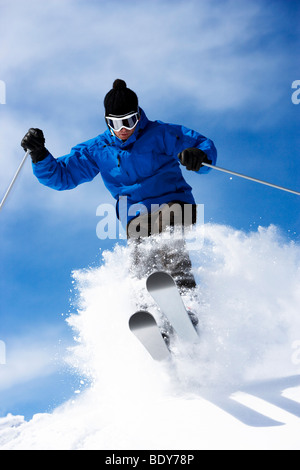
(180, 138)
(67, 172)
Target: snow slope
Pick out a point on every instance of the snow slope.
(239, 388)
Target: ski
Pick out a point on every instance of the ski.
(164, 291)
(143, 325)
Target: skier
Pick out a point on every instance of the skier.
(138, 159)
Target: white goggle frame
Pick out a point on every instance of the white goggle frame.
(129, 121)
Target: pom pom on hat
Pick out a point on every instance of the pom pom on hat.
(120, 100)
(119, 84)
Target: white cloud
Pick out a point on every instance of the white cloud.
(195, 47)
(29, 357)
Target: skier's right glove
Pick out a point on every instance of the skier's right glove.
(34, 141)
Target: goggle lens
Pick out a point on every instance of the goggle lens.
(117, 123)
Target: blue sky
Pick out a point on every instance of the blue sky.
(224, 68)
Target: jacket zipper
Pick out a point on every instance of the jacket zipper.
(119, 166)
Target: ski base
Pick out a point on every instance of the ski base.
(143, 325)
(164, 291)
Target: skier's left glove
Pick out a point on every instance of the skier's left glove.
(34, 141)
(193, 158)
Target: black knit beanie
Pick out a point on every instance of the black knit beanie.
(120, 100)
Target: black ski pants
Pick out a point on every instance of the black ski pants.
(158, 243)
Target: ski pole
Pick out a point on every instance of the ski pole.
(13, 180)
(252, 179)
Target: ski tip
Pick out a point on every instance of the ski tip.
(159, 280)
(141, 319)
(143, 325)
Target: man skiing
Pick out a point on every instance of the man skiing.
(138, 159)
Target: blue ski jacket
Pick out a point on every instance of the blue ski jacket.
(145, 168)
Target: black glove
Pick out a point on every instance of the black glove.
(34, 141)
(193, 158)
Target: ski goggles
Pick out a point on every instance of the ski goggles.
(117, 123)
